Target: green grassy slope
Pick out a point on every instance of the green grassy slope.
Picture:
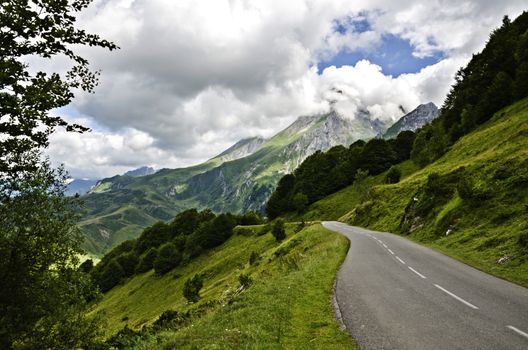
(478, 229)
(287, 306)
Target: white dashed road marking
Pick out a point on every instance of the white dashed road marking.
(518, 331)
(416, 272)
(456, 297)
(400, 260)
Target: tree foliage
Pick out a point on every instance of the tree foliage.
(39, 249)
(43, 29)
(192, 287)
(492, 80)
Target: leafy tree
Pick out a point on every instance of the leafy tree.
(300, 202)
(278, 230)
(279, 200)
(110, 276)
(403, 144)
(192, 287)
(42, 29)
(168, 258)
(377, 156)
(42, 295)
(152, 237)
(146, 261)
(128, 262)
(39, 249)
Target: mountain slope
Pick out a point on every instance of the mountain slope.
(239, 179)
(470, 204)
(420, 116)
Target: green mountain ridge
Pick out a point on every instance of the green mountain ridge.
(237, 180)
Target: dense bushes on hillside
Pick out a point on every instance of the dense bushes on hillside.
(493, 79)
(326, 172)
(164, 246)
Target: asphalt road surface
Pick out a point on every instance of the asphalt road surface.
(395, 294)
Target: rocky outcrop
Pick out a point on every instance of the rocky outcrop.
(420, 116)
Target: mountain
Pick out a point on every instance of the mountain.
(237, 180)
(240, 149)
(420, 116)
(79, 186)
(142, 171)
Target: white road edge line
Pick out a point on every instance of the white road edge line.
(518, 331)
(416, 272)
(400, 260)
(456, 297)
(384, 245)
(390, 251)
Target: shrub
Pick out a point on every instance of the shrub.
(128, 262)
(245, 280)
(393, 175)
(192, 287)
(111, 275)
(168, 258)
(146, 261)
(254, 258)
(278, 230)
(169, 319)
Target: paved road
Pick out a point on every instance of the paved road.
(395, 294)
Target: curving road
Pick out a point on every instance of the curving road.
(395, 294)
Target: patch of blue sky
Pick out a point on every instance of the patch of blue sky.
(394, 55)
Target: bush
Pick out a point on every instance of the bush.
(168, 258)
(111, 275)
(254, 258)
(192, 287)
(245, 280)
(393, 175)
(146, 261)
(278, 230)
(169, 319)
(128, 262)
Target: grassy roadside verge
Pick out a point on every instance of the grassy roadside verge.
(288, 305)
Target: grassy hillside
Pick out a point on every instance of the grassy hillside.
(288, 305)
(471, 204)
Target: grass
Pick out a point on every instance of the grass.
(288, 306)
(478, 231)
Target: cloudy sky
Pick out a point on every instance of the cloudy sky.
(194, 76)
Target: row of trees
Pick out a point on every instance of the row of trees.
(326, 172)
(164, 246)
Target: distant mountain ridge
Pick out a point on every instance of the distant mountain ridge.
(420, 116)
(142, 171)
(237, 180)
